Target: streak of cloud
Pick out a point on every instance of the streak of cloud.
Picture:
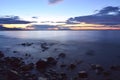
(54, 1)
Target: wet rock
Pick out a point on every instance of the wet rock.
(41, 65)
(63, 65)
(51, 61)
(72, 66)
(1, 54)
(83, 74)
(26, 44)
(12, 75)
(44, 46)
(106, 73)
(15, 51)
(13, 62)
(42, 78)
(63, 76)
(62, 55)
(98, 68)
(115, 67)
(27, 67)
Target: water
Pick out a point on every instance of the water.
(81, 36)
(105, 44)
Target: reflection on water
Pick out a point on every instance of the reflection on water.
(94, 36)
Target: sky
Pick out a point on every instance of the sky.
(53, 10)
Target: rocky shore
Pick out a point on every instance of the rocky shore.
(53, 67)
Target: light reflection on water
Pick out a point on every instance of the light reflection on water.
(94, 36)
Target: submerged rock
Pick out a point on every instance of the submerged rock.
(62, 55)
(27, 67)
(44, 46)
(83, 74)
(41, 65)
(51, 61)
(72, 66)
(1, 54)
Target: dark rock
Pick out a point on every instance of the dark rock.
(13, 62)
(27, 67)
(62, 55)
(63, 76)
(63, 65)
(115, 67)
(51, 61)
(15, 51)
(26, 44)
(12, 75)
(44, 46)
(1, 54)
(72, 66)
(41, 65)
(83, 74)
(106, 73)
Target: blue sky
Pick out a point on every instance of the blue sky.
(58, 11)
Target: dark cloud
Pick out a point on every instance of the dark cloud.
(107, 16)
(12, 20)
(54, 1)
(108, 10)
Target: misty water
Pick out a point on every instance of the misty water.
(105, 44)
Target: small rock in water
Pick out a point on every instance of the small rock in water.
(83, 74)
(41, 65)
(62, 55)
(51, 61)
(106, 73)
(63, 76)
(63, 65)
(27, 67)
(42, 78)
(72, 66)
(115, 67)
(1, 54)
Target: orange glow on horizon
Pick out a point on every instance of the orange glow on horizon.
(23, 26)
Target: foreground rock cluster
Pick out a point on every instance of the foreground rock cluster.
(15, 68)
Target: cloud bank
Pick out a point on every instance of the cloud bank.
(54, 1)
(109, 15)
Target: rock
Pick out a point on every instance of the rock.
(41, 65)
(62, 55)
(42, 78)
(63, 65)
(72, 66)
(115, 67)
(1, 54)
(27, 67)
(12, 75)
(83, 74)
(44, 46)
(106, 73)
(51, 61)
(98, 68)
(63, 76)
(13, 62)
(26, 44)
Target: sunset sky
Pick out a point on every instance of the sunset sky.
(53, 10)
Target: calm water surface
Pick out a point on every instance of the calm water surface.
(81, 36)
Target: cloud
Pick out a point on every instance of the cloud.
(54, 1)
(108, 10)
(108, 16)
(12, 20)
